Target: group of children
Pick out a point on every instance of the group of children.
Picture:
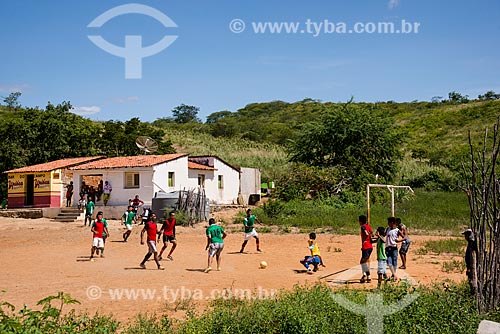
(386, 240)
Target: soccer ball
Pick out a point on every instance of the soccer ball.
(263, 265)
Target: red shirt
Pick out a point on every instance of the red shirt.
(98, 229)
(366, 242)
(151, 229)
(169, 227)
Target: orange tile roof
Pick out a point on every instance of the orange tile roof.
(53, 165)
(134, 161)
(194, 165)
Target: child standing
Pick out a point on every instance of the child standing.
(99, 218)
(215, 243)
(89, 210)
(98, 228)
(391, 248)
(128, 218)
(366, 248)
(315, 258)
(168, 231)
(381, 256)
(151, 229)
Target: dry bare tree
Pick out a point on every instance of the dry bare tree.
(482, 187)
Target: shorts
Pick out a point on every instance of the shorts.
(250, 234)
(365, 253)
(215, 248)
(168, 238)
(98, 243)
(392, 256)
(129, 227)
(381, 267)
(404, 246)
(152, 246)
(105, 197)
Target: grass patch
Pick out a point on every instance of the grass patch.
(454, 266)
(426, 212)
(453, 246)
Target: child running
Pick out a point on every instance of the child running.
(215, 243)
(151, 230)
(249, 223)
(98, 228)
(381, 256)
(128, 219)
(168, 230)
(315, 258)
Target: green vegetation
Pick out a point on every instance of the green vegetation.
(453, 246)
(425, 212)
(309, 309)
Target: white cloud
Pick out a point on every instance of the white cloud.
(83, 111)
(126, 99)
(393, 4)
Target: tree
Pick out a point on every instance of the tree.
(185, 114)
(482, 189)
(217, 116)
(12, 101)
(360, 139)
(455, 97)
(489, 95)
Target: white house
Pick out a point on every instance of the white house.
(135, 175)
(145, 175)
(220, 180)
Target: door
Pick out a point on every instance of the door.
(30, 190)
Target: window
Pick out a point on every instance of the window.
(171, 179)
(131, 180)
(201, 180)
(220, 182)
(56, 176)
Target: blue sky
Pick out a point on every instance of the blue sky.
(47, 55)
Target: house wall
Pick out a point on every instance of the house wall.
(45, 189)
(160, 176)
(209, 182)
(250, 182)
(231, 183)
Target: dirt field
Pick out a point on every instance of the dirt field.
(40, 258)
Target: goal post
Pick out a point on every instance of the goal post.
(389, 187)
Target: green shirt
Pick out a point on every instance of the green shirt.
(129, 217)
(249, 222)
(215, 232)
(89, 208)
(381, 250)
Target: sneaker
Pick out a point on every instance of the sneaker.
(362, 279)
(219, 269)
(161, 268)
(207, 270)
(170, 258)
(92, 260)
(142, 265)
(368, 279)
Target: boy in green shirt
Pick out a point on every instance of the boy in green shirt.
(249, 223)
(381, 256)
(89, 210)
(128, 218)
(215, 241)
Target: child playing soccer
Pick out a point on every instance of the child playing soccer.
(89, 210)
(215, 241)
(381, 256)
(249, 223)
(128, 219)
(98, 228)
(315, 258)
(168, 230)
(151, 230)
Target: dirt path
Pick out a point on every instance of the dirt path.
(40, 258)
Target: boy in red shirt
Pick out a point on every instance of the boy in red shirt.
(168, 230)
(366, 249)
(98, 228)
(151, 230)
